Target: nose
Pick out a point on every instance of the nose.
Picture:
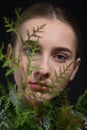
(42, 72)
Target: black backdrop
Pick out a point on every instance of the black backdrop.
(78, 8)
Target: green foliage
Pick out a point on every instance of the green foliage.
(2, 56)
(82, 104)
(9, 25)
(19, 115)
(7, 62)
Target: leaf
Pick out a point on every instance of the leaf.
(81, 105)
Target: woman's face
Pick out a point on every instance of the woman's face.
(52, 66)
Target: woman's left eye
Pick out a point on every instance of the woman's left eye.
(60, 58)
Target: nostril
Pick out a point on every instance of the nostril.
(46, 75)
(41, 76)
(37, 75)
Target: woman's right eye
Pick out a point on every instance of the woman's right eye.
(27, 50)
(30, 51)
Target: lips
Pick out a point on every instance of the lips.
(38, 87)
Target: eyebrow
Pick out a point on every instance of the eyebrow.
(59, 49)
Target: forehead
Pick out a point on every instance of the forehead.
(54, 31)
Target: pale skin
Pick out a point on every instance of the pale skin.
(57, 49)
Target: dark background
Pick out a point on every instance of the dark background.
(78, 8)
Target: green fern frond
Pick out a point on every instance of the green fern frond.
(2, 55)
(10, 26)
(81, 105)
(17, 12)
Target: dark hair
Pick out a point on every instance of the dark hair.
(50, 12)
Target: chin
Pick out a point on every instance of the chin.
(37, 98)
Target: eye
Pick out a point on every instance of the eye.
(27, 50)
(60, 57)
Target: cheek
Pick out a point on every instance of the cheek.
(61, 76)
(23, 67)
(23, 63)
(63, 71)
(21, 71)
(54, 68)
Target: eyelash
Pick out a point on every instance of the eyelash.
(60, 58)
(28, 50)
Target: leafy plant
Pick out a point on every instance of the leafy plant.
(82, 104)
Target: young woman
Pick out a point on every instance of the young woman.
(59, 45)
(47, 51)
